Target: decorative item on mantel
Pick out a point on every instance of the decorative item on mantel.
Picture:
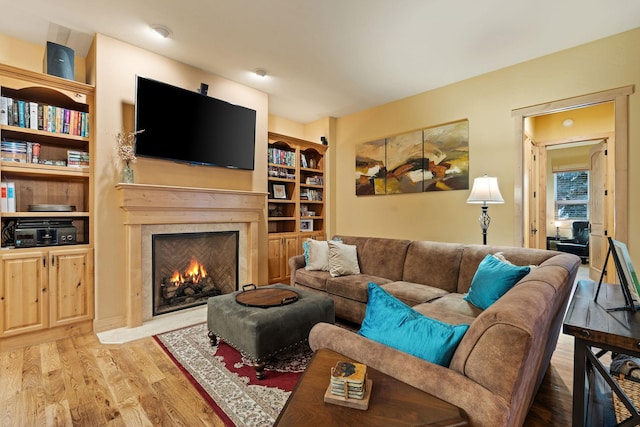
(126, 151)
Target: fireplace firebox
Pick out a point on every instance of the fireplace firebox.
(189, 268)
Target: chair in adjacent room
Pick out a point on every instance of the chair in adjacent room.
(579, 244)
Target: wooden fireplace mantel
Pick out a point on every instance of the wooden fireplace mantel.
(159, 204)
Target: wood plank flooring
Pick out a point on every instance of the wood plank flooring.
(81, 382)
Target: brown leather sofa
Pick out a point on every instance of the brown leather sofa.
(498, 366)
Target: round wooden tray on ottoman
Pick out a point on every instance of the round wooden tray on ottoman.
(260, 332)
(251, 296)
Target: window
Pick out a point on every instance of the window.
(572, 195)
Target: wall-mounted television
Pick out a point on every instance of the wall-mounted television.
(186, 126)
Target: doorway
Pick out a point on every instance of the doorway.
(530, 179)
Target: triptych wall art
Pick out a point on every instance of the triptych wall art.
(431, 159)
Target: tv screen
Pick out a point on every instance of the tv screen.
(187, 126)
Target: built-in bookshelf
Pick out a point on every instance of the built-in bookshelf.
(46, 143)
(296, 205)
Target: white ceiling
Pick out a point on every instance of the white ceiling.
(330, 57)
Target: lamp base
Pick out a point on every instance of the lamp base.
(484, 220)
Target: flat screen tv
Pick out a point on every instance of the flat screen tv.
(186, 126)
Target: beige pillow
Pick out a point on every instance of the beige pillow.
(500, 257)
(343, 259)
(318, 255)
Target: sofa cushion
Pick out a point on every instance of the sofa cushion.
(434, 264)
(353, 287)
(343, 259)
(316, 254)
(315, 279)
(381, 257)
(445, 315)
(391, 322)
(492, 280)
(456, 304)
(413, 293)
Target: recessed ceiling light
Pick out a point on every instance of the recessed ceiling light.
(260, 72)
(567, 123)
(161, 30)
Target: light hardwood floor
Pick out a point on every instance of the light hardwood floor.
(79, 381)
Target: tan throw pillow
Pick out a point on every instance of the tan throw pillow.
(318, 255)
(343, 259)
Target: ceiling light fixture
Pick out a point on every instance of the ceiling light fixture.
(260, 72)
(161, 30)
(567, 123)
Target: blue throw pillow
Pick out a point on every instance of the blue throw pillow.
(391, 322)
(305, 251)
(492, 280)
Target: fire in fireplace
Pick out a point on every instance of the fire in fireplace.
(189, 268)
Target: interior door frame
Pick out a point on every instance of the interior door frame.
(620, 97)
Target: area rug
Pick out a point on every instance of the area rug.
(227, 380)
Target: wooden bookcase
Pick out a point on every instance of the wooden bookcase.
(46, 288)
(296, 204)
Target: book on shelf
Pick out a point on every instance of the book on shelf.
(3, 197)
(11, 196)
(33, 115)
(4, 112)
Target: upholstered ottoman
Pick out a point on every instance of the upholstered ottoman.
(259, 333)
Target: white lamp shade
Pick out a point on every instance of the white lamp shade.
(485, 190)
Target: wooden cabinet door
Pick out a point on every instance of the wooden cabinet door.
(281, 248)
(23, 293)
(71, 285)
(291, 248)
(276, 250)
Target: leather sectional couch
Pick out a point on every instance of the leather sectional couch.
(500, 362)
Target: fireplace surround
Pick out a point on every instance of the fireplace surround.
(152, 209)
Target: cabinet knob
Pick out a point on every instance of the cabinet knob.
(584, 333)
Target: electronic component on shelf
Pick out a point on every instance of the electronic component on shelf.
(44, 232)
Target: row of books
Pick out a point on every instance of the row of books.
(310, 194)
(282, 157)
(35, 115)
(19, 151)
(79, 159)
(7, 196)
(314, 180)
(310, 162)
(278, 172)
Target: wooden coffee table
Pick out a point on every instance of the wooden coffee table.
(392, 402)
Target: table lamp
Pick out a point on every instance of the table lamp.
(485, 191)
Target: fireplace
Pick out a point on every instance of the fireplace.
(160, 209)
(189, 268)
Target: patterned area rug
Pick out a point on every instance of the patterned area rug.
(227, 380)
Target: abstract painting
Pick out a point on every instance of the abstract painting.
(370, 168)
(430, 159)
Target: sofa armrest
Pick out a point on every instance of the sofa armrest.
(295, 262)
(483, 407)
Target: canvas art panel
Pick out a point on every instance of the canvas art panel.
(430, 159)
(370, 168)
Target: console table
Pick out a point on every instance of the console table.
(596, 331)
(392, 402)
